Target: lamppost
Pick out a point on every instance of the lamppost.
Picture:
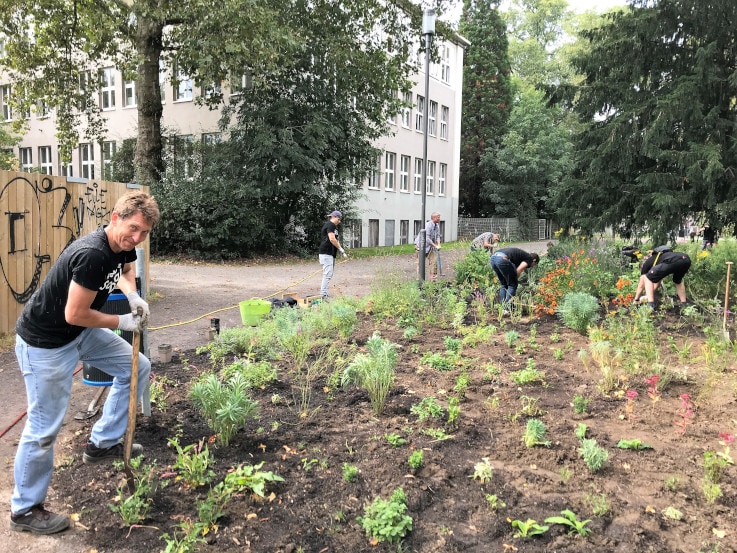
(428, 31)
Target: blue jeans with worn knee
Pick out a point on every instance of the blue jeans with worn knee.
(48, 375)
(506, 272)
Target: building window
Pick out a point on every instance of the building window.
(444, 115)
(107, 89)
(183, 151)
(212, 138)
(419, 113)
(404, 174)
(389, 170)
(5, 101)
(430, 179)
(26, 159)
(162, 80)
(42, 109)
(445, 64)
(407, 110)
(85, 90)
(129, 94)
(108, 152)
(241, 83)
(65, 169)
(87, 161)
(418, 175)
(182, 87)
(374, 181)
(432, 118)
(442, 175)
(44, 160)
(404, 231)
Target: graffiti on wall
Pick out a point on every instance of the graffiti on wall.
(30, 227)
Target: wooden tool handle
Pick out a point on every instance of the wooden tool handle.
(133, 396)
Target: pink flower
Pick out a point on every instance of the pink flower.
(726, 437)
(652, 381)
(631, 395)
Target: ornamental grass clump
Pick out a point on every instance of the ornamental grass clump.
(578, 311)
(374, 371)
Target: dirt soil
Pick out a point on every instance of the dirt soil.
(314, 509)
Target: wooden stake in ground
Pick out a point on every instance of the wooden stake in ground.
(132, 411)
(725, 332)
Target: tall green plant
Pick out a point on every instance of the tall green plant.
(226, 405)
(578, 311)
(374, 371)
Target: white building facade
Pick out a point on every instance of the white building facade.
(390, 208)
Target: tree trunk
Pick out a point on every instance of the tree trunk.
(148, 158)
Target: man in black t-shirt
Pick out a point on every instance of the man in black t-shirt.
(62, 325)
(329, 248)
(509, 264)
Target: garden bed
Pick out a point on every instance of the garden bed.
(477, 475)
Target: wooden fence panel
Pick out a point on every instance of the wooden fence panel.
(40, 215)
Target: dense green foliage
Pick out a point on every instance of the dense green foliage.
(487, 97)
(658, 102)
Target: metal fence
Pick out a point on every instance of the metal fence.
(509, 229)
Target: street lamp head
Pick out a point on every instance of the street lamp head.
(428, 22)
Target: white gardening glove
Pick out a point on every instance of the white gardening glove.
(438, 247)
(131, 323)
(345, 255)
(136, 301)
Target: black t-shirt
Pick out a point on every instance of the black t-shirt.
(88, 261)
(517, 256)
(326, 246)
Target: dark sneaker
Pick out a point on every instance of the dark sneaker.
(93, 454)
(39, 521)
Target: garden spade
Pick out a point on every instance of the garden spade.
(725, 331)
(132, 410)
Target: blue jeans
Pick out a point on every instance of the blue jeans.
(48, 377)
(328, 264)
(506, 272)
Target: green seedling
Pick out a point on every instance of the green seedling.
(350, 472)
(395, 440)
(528, 528)
(428, 407)
(415, 459)
(593, 455)
(535, 434)
(386, 520)
(193, 463)
(482, 471)
(570, 520)
(494, 502)
(580, 404)
(633, 444)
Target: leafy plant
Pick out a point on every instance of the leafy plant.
(593, 455)
(580, 404)
(135, 507)
(598, 503)
(452, 345)
(511, 337)
(193, 463)
(454, 410)
(635, 443)
(672, 483)
(570, 520)
(250, 477)
(350, 472)
(415, 459)
(438, 361)
(190, 534)
(258, 374)
(386, 520)
(226, 406)
(482, 471)
(426, 408)
(395, 440)
(528, 528)
(535, 433)
(578, 311)
(528, 375)
(374, 371)
(581, 430)
(494, 502)
(437, 434)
